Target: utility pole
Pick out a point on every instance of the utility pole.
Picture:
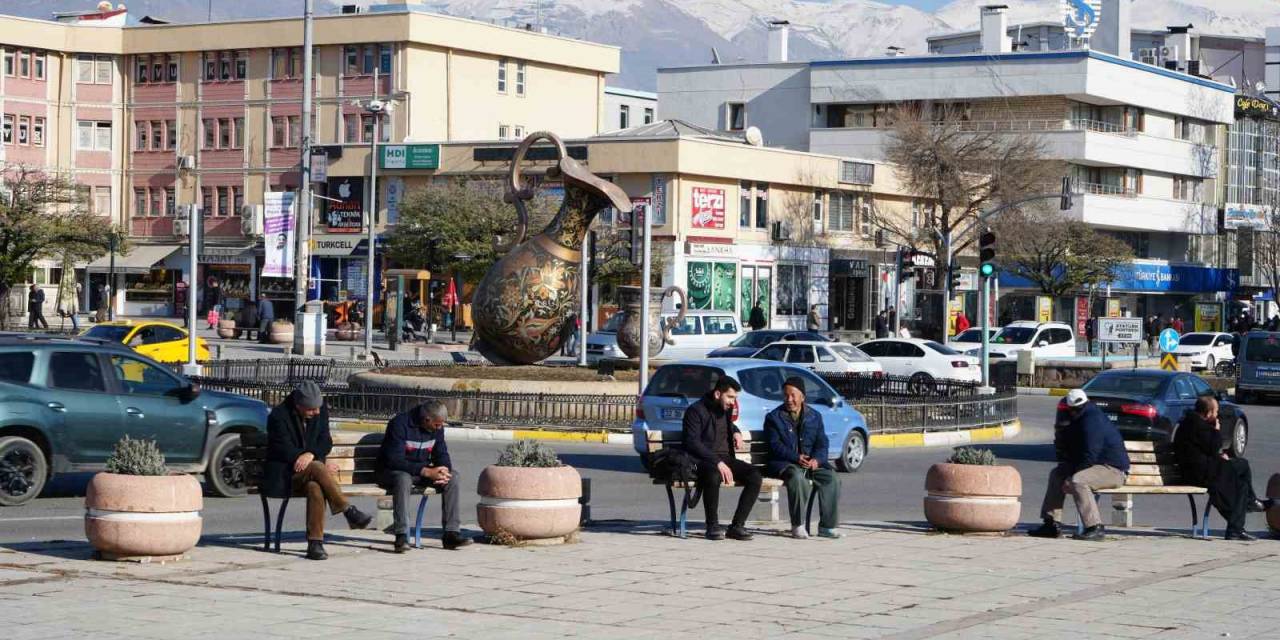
(302, 253)
(375, 107)
(647, 235)
(193, 368)
(587, 244)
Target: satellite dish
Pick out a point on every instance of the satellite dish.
(754, 137)
(1260, 86)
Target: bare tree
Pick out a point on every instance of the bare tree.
(1059, 255)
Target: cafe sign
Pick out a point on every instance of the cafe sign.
(1257, 107)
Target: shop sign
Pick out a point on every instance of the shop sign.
(711, 249)
(1208, 316)
(1125, 330)
(1152, 277)
(207, 258)
(708, 208)
(659, 200)
(1044, 308)
(409, 156)
(334, 246)
(345, 211)
(1113, 308)
(1255, 106)
(1244, 216)
(319, 167)
(1082, 316)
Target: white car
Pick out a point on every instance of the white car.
(1205, 349)
(972, 337)
(923, 361)
(821, 356)
(700, 333)
(1044, 339)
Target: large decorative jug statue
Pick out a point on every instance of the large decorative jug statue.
(629, 298)
(523, 302)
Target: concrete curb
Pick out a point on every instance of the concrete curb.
(946, 438)
(1042, 391)
(502, 435)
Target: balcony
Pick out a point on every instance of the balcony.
(1116, 207)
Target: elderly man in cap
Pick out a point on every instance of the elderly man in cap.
(414, 455)
(297, 443)
(1091, 456)
(798, 447)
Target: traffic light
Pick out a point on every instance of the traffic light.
(953, 278)
(987, 254)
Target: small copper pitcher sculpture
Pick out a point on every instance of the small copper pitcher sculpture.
(524, 300)
(659, 330)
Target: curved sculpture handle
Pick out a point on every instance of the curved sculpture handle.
(676, 321)
(517, 192)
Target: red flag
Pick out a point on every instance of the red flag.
(450, 294)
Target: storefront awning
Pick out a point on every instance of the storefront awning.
(141, 259)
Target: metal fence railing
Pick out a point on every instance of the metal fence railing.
(859, 386)
(939, 414)
(322, 370)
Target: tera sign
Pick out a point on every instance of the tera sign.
(1125, 330)
(409, 156)
(708, 208)
(1080, 17)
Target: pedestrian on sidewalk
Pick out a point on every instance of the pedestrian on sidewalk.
(213, 301)
(266, 315)
(814, 321)
(1198, 446)
(711, 438)
(962, 323)
(414, 455)
(1091, 456)
(882, 324)
(35, 308)
(756, 319)
(298, 442)
(798, 456)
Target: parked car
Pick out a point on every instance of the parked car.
(1205, 349)
(160, 341)
(922, 361)
(700, 333)
(1258, 366)
(750, 342)
(675, 386)
(972, 338)
(1044, 339)
(1148, 404)
(821, 356)
(65, 402)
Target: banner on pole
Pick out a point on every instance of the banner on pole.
(278, 234)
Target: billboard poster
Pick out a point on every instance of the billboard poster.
(1113, 307)
(1044, 309)
(395, 194)
(1082, 315)
(278, 230)
(708, 208)
(1208, 316)
(345, 212)
(659, 200)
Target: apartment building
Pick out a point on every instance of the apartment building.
(154, 118)
(1141, 141)
(629, 108)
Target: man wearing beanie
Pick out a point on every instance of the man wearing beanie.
(297, 443)
(798, 447)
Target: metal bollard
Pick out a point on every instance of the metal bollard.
(585, 501)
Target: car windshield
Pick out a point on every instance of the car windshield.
(1263, 348)
(1014, 335)
(942, 348)
(971, 335)
(611, 325)
(687, 381)
(851, 354)
(1138, 385)
(755, 339)
(110, 332)
(1196, 339)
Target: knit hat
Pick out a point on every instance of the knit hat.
(307, 395)
(794, 381)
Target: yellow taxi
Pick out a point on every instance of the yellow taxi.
(160, 341)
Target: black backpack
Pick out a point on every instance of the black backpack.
(672, 465)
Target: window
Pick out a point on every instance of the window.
(857, 172)
(1186, 188)
(624, 117)
(210, 133)
(157, 135)
(141, 76)
(157, 69)
(279, 131)
(744, 205)
(8, 129)
(93, 136)
(793, 290)
(37, 132)
(384, 130)
(24, 63)
(370, 59)
(687, 327)
(137, 376)
(237, 202)
(866, 210)
(224, 65)
(351, 123)
(648, 115)
(772, 352)
(224, 133)
(157, 202)
(24, 130)
(841, 218)
(762, 205)
(210, 66)
(502, 75)
(76, 370)
(504, 132)
(139, 135)
(242, 64)
(102, 70)
(223, 201)
(384, 59)
(818, 197)
(100, 203)
(206, 201)
(295, 131)
(171, 134)
(16, 366)
(351, 57)
(736, 116)
(84, 69)
(139, 202)
(37, 65)
(172, 62)
(367, 123)
(8, 62)
(520, 76)
(237, 133)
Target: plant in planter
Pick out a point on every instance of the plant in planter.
(971, 493)
(529, 494)
(138, 509)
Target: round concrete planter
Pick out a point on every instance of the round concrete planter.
(142, 516)
(1273, 514)
(282, 332)
(530, 503)
(972, 498)
(226, 328)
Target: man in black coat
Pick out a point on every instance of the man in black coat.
(756, 319)
(710, 438)
(1198, 446)
(414, 455)
(35, 309)
(882, 324)
(298, 441)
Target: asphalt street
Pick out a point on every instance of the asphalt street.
(888, 488)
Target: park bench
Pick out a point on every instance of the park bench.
(1154, 471)
(757, 454)
(354, 454)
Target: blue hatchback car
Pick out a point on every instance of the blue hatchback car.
(677, 385)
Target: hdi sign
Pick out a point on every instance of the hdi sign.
(409, 156)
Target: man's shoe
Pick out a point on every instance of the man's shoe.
(455, 540)
(402, 543)
(1258, 506)
(715, 532)
(1243, 536)
(738, 532)
(315, 551)
(824, 532)
(1049, 529)
(357, 519)
(1094, 533)
(799, 533)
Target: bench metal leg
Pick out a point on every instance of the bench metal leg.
(266, 524)
(684, 511)
(417, 523)
(1199, 526)
(284, 504)
(808, 514)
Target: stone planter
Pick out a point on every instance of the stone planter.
(226, 328)
(1273, 514)
(282, 332)
(142, 516)
(530, 503)
(972, 498)
(346, 331)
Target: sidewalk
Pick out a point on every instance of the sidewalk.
(628, 580)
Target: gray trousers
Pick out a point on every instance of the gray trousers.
(401, 486)
(801, 483)
(1082, 485)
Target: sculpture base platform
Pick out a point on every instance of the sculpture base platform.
(606, 366)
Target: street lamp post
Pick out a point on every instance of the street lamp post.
(374, 107)
(114, 242)
(302, 221)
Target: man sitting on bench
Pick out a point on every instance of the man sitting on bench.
(1198, 443)
(798, 456)
(1091, 456)
(414, 454)
(711, 437)
(298, 441)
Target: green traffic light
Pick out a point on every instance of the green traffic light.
(987, 269)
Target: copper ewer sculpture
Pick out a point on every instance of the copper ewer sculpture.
(659, 330)
(526, 297)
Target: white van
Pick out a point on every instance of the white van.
(700, 333)
(1044, 339)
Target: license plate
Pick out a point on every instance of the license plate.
(672, 414)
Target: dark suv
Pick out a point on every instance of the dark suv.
(64, 402)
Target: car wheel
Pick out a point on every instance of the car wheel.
(1240, 439)
(225, 476)
(854, 452)
(1209, 364)
(920, 383)
(23, 471)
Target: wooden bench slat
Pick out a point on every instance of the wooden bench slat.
(1152, 470)
(1168, 489)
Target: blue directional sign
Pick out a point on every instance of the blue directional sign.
(1169, 340)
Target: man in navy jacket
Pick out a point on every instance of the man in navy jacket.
(414, 454)
(798, 456)
(1091, 456)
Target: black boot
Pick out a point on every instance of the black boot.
(715, 532)
(739, 532)
(1241, 535)
(1049, 529)
(402, 543)
(455, 540)
(357, 519)
(1095, 533)
(315, 550)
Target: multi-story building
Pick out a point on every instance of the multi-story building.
(152, 117)
(628, 108)
(1140, 140)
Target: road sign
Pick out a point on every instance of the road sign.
(1169, 340)
(1124, 330)
(1168, 362)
